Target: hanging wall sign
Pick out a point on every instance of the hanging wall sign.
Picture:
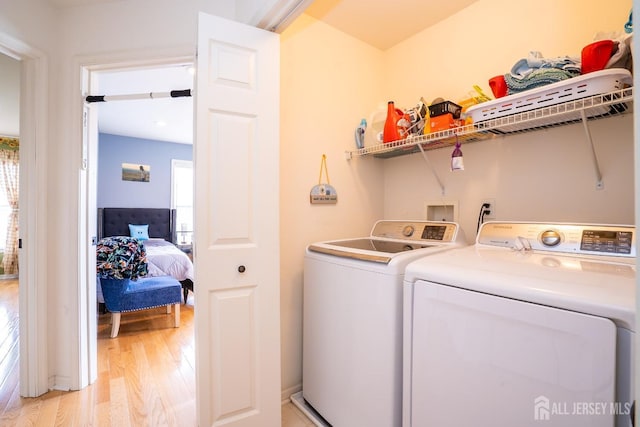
(323, 192)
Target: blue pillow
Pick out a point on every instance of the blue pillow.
(140, 232)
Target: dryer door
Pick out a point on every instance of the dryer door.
(483, 360)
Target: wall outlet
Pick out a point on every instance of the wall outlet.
(490, 215)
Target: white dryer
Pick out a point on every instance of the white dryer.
(533, 325)
(352, 332)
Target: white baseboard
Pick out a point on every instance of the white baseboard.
(286, 393)
(60, 383)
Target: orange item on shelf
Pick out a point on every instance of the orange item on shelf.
(396, 125)
(444, 122)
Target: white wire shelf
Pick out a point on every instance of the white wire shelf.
(592, 108)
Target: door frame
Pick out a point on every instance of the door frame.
(87, 68)
(32, 219)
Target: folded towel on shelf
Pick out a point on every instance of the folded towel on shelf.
(536, 78)
(535, 61)
(621, 57)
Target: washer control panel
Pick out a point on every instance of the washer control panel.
(607, 241)
(594, 239)
(419, 231)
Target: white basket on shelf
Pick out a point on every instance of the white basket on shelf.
(595, 83)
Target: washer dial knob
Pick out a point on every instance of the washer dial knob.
(550, 238)
(408, 230)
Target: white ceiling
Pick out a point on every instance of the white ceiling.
(381, 24)
(161, 119)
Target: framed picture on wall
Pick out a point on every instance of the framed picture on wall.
(136, 172)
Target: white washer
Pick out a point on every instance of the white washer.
(352, 333)
(534, 323)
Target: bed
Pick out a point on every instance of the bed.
(163, 256)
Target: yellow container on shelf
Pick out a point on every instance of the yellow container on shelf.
(474, 97)
(468, 102)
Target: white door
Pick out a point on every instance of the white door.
(236, 247)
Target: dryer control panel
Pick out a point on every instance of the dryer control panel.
(593, 239)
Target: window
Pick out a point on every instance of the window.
(182, 199)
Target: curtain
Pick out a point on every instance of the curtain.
(9, 172)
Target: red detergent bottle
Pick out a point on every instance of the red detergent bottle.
(396, 125)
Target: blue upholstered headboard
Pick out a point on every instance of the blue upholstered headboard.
(115, 221)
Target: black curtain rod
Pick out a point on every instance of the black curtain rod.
(151, 95)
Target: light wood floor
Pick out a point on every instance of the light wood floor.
(146, 375)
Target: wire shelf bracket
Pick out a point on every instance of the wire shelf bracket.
(431, 168)
(594, 156)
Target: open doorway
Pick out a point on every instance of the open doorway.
(145, 155)
(10, 69)
(9, 165)
(152, 134)
(31, 353)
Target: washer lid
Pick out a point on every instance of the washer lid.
(362, 248)
(378, 245)
(597, 285)
(395, 239)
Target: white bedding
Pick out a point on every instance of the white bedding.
(165, 259)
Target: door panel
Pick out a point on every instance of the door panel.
(234, 362)
(236, 247)
(231, 156)
(480, 359)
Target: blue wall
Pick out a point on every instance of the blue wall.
(114, 150)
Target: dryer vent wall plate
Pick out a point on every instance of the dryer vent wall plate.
(441, 210)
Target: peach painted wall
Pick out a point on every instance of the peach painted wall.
(329, 82)
(545, 175)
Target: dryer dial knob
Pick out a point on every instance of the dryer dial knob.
(550, 238)
(408, 230)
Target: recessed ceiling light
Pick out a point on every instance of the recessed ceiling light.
(160, 123)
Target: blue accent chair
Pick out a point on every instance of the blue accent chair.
(123, 295)
(121, 267)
